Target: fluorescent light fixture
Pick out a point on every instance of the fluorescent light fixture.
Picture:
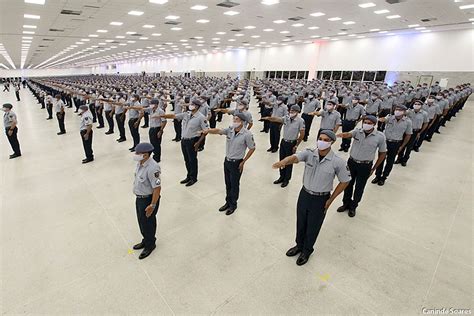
(231, 13)
(28, 32)
(472, 19)
(31, 16)
(156, 34)
(326, 38)
(29, 26)
(35, 1)
(143, 38)
(220, 33)
(131, 42)
(425, 31)
(172, 17)
(413, 25)
(101, 31)
(297, 25)
(215, 38)
(26, 41)
(361, 36)
(131, 33)
(119, 36)
(198, 37)
(176, 29)
(316, 14)
(284, 32)
(467, 6)
(420, 28)
(116, 23)
(270, 2)
(93, 35)
(367, 5)
(351, 35)
(396, 16)
(374, 30)
(268, 30)
(279, 21)
(136, 13)
(158, 1)
(198, 7)
(108, 41)
(239, 34)
(249, 27)
(85, 40)
(27, 37)
(382, 32)
(349, 22)
(381, 11)
(148, 26)
(313, 28)
(342, 33)
(202, 21)
(334, 19)
(255, 36)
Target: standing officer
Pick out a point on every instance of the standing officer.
(60, 112)
(238, 140)
(213, 104)
(17, 91)
(109, 115)
(331, 119)
(49, 106)
(385, 108)
(310, 105)
(99, 111)
(86, 132)
(354, 112)
(194, 125)
(11, 130)
(147, 189)
(398, 131)
(279, 110)
(178, 109)
(135, 114)
(366, 142)
(120, 113)
(145, 103)
(321, 167)
(293, 134)
(157, 126)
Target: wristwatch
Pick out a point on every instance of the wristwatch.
(153, 205)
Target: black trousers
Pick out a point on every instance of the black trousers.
(266, 124)
(147, 224)
(232, 182)
(275, 129)
(100, 116)
(310, 214)
(146, 118)
(110, 121)
(360, 173)
(342, 111)
(94, 114)
(60, 117)
(13, 139)
(120, 118)
(383, 171)
(17, 93)
(156, 142)
(77, 104)
(190, 157)
(212, 121)
(382, 113)
(405, 152)
(430, 131)
(308, 120)
(87, 144)
(347, 126)
(134, 131)
(286, 149)
(49, 108)
(177, 129)
(420, 140)
(220, 114)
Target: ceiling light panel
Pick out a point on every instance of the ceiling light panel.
(198, 7)
(367, 5)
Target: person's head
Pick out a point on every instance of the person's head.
(238, 120)
(143, 152)
(325, 140)
(195, 105)
(57, 96)
(399, 111)
(368, 123)
(154, 102)
(311, 96)
(355, 100)
(430, 99)
(374, 96)
(330, 106)
(243, 105)
(417, 105)
(135, 97)
(7, 107)
(280, 100)
(439, 96)
(83, 108)
(294, 110)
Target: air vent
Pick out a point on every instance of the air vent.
(43, 46)
(394, 1)
(227, 4)
(299, 8)
(296, 18)
(71, 12)
(428, 20)
(290, 36)
(137, 34)
(48, 39)
(56, 30)
(236, 30)
(172, 22)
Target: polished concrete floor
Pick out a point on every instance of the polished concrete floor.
(67, 230)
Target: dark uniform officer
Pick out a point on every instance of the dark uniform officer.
(11, 130)
(157, 125)
(279, 110)
(134, 116)
(147, 189)
(239, 139)
(109, 115)
(86, 132)
(310, 105)
(321, 167)
(366, 142)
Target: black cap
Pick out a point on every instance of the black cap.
(7, 106)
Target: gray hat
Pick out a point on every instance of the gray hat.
(371, 118)
(295, 108)
(84, 107)
(154, 101)
(329, 134)
(418, 101)
(197, 102)
(144, 148)
(401, 107)
(241, 116)
(7, 106)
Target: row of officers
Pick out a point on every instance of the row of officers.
(322, 165)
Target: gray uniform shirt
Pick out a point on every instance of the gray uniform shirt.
(86, 120)
(373, 106)
(280, 110)
(9, 118)
(311, 105)
(156, 121)
(192, 124)
(58, 105)
(292, 127)
(364, 146)
(354, 112)
(418, 118)
(132, 113)
(318, 175)
(396, 129)
(237, 143)
(147, 177)
(330, 119)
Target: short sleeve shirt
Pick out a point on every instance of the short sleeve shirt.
(237, 143)
(147, 177)
(364, 146)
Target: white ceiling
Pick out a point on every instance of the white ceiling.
(59, 50)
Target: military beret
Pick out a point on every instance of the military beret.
(144, 148)
(84, 107)
(401, 107)
(241, 116)
(197, 102)
(7, 106)
(154, 101)
(371, 118)
(295, 108)
(329, 134)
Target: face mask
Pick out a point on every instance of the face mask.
(192, 107)
(367, 127)
(439, 97)
(236, 125)
(417, 106)
(138, 157)
(310, 96)
(322, 145)
(398, 113)
(240, 107)
(329, 107)
(293, 115)
(279, 102)
(430, 100)
(374, 98)
(354, 101)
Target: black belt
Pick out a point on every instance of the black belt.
(233, 160)
(361, 161)
(393, 141)
(144, 196)
(316, 193)
(350, 120)
(289, 141)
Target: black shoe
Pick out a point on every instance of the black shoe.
(109, 132)
(262, 131)
(200, 149)
(341, 149)
(174, 139)
(230, 211)
(428, 140)
(274, 150)
(185, 180)
(15, 156)
(397, 161)
(416, 149)
(224, 207)
(132, 149)
(269, 149)
(122, 140)
(178, 140)
(352, 212)
(403, 163)
(305, 139)
(437, 132)
(284, 184)
(139, 246)
(278, 181)
(61, 133)
(144, 126)
(342, 208)
(302, 259)
(293, 251)
(381, 182)
(49, 118)
(191, 182)
(376, 180)
(87, 160)
(146, 252)
(100, 127)
(346, 150)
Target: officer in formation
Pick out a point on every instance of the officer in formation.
(311, 104)
(135, 114)
(59, 109)
(322, 165)
(330, 118)
(242, 107)
(86, 132)
(238, 140)
(109, 113)
(157, 125)
(354, 112)
(120, 117)
(279, 110)
(147, 189)
(11, 130)
(17, 91)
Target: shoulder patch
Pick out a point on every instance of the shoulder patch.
(157, 174)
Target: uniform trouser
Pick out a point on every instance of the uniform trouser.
(177, 128)
(17, 93)
(60, 117)
(156, 142)
(392, 148)
(219, 115)
(431, 129)
(266, 124)
(120, 118)
(212, 121)
(232, 181)
(347, 126)
(275, 129)
(382, 113)
(49, 108)
(147, 224)
(342, 111)
(100, 116)
(190, 157)
(308, 120)
(94, 114)
(406, 151)
(42, 103)
(420, 140)
(146, 119)
(77, 104)
(110, 121)
(286, 149)
(13, 139)
(360, 173)
(134, 131)
(310, 215)
(87, 144)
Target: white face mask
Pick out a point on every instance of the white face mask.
(417, 106)
(192, 107)
(398, 113)
(367, 127)
(241, 107)
(236, 125)
(329, 107)
(323, 145)
(138, 157)
(293, 115)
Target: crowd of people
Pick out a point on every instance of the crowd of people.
(395, 120)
